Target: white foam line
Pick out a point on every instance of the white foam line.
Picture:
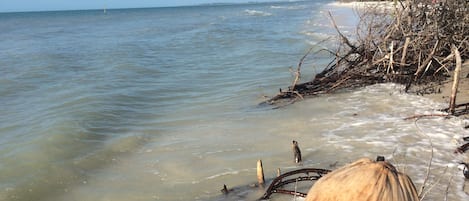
(234, 172)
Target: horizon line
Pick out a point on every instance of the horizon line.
(152, 7)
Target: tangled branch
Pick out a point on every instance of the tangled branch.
(410, 44)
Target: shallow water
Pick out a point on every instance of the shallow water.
(162, 104)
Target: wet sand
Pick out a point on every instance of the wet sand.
(463, 89)
(461, 97)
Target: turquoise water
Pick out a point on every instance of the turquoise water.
(162, 104)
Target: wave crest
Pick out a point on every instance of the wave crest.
(256, 13)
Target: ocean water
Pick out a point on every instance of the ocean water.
(162, 104)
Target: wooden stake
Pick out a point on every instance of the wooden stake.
(454, 89)
(260, 173)
(391, 58)
(224, 190)
(404, 52)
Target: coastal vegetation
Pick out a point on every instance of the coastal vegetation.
(416, 43)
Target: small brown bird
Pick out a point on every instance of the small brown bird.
(296, 152)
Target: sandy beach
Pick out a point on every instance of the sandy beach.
(463, 89)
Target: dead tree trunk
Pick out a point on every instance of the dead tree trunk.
(454, 89)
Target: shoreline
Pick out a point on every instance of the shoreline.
(461, 97)
(385, 5)
(463, 89)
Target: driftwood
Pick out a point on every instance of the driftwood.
(459, 109)
(410, 45)
(463, 148)
(425, 115)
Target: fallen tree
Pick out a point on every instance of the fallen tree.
(411, 43)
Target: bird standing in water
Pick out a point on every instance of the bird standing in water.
(296, 152)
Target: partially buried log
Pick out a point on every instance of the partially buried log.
(260, 173)
(364, 180)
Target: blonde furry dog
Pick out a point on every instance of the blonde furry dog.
(364, 179)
